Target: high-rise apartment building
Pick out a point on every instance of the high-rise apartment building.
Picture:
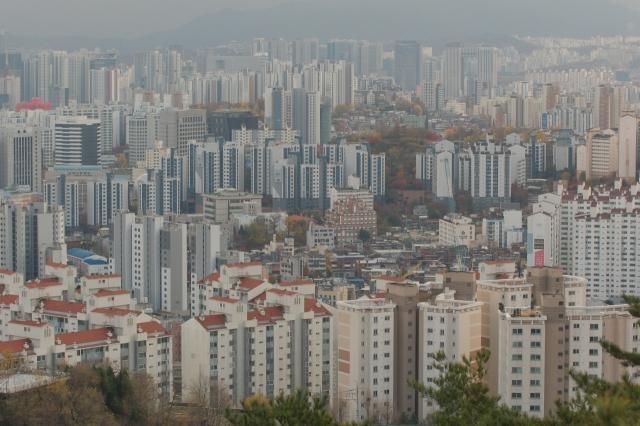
(490, 175)
(453, 73)
(289, 335)
(488, 65)
(628, 138)
(26, 231)
(608, 106)
(366, 354)
(449, 325)
(601, 153)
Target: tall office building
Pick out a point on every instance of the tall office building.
(21, 157)
(142, 134)
(342, 50)
(278, 49)
(325, 121)
(375, 57)
(304, 51)
(178, 127)
(452, 75)
(10, 86)
(488, 66)
(408, 58)
(78, 141)
(104, 85)
(2, 46)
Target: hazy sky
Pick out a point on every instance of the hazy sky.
(127, 18)
(112, 18)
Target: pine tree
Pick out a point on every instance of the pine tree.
(460, 397)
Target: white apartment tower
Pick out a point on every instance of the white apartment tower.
(366, 354)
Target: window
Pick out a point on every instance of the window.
(593, 326)
(593, 352)
(593, 365)
(516, 357)
(516, 383)
(536, 331)
(534, 382)
(536, 357)
(534, 370)
(534, 395)
(517, 331)
(535, 408)
(516, 395)
(516, 344)
(516, 370)
(536, 344)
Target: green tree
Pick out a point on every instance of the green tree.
(256, 236)
(299, 409)
(364, 235)
(395, 220)
(461, 396)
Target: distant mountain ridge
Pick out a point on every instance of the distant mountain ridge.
(386, 21)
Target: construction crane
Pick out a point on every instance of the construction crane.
(412, 270)
(461, 253)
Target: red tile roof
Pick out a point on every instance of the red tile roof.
(63, 307)
(311, 305)
(224, 299)
(247, 283)
(115, 311)
(15, 345)
(7, 272)
(9, 299)
(42, 283)
(261, 296)
(211, 321)
(392, 279)
(242, 265)
(292, 283)
(281, 291)
(97, 335)
(271, 314)
(56, 264)
(103, 292)
(151, 327)
(97, 277)
(30, 323)
(211, 277)
(379, 295)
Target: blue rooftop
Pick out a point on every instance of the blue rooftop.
(80, 253)
(95, 262)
